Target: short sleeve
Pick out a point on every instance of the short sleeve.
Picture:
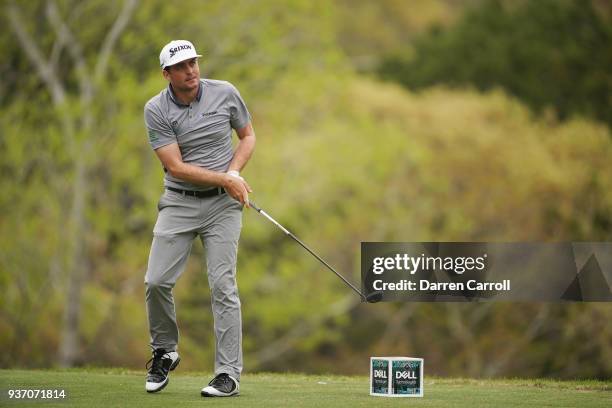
(239, 114)
(159, 131)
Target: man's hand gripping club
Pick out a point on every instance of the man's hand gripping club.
(237, 187)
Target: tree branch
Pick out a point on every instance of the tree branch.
(502, 359)
(111, 39)
(457, 326)
(273, 351)
(75, 50)
(59, 44)
(56, 51)
(45, 70)
(395, 323)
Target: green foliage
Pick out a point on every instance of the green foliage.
(547, 53)
(369, 30)
(340, 159)
(393, 166)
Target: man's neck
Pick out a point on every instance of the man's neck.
(186, 97)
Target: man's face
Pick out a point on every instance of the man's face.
(184, 76)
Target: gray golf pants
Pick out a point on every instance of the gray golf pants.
(217, 220)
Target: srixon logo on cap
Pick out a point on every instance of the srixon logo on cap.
(396, 376)
(178, 48)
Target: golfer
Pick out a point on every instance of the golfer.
(189, 125)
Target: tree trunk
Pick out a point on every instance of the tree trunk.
(70, 343)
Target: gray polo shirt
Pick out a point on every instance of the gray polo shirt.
(202, 129)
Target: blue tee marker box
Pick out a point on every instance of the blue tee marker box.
(396, 376)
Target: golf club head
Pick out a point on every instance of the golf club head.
(374, 297)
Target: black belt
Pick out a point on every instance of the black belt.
(200, 194)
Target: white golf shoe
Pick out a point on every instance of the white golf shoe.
(162, 363)
(223, 385)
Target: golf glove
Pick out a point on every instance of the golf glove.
(235, 173)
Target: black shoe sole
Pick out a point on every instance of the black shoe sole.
(160, 388)
(207, 395)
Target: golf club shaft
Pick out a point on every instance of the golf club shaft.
(262, 212)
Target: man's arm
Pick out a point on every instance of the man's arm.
(244, 150)
(172, 160)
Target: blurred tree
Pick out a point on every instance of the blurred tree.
(93, 67)
(436, 166)
(340, 159)
(72, 93)
(548, 53)
(369, 30)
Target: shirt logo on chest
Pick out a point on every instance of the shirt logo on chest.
(206, 114)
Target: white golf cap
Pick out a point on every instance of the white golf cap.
(175, 52)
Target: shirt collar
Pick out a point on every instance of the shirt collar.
(179, 103)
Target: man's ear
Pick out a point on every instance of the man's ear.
(166, 74)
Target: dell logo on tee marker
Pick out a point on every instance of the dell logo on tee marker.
(380, 374)
(403, 375)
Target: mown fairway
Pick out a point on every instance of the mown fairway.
(108, 388)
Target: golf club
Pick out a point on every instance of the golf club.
(371, 298)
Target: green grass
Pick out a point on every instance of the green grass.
(120, 388)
